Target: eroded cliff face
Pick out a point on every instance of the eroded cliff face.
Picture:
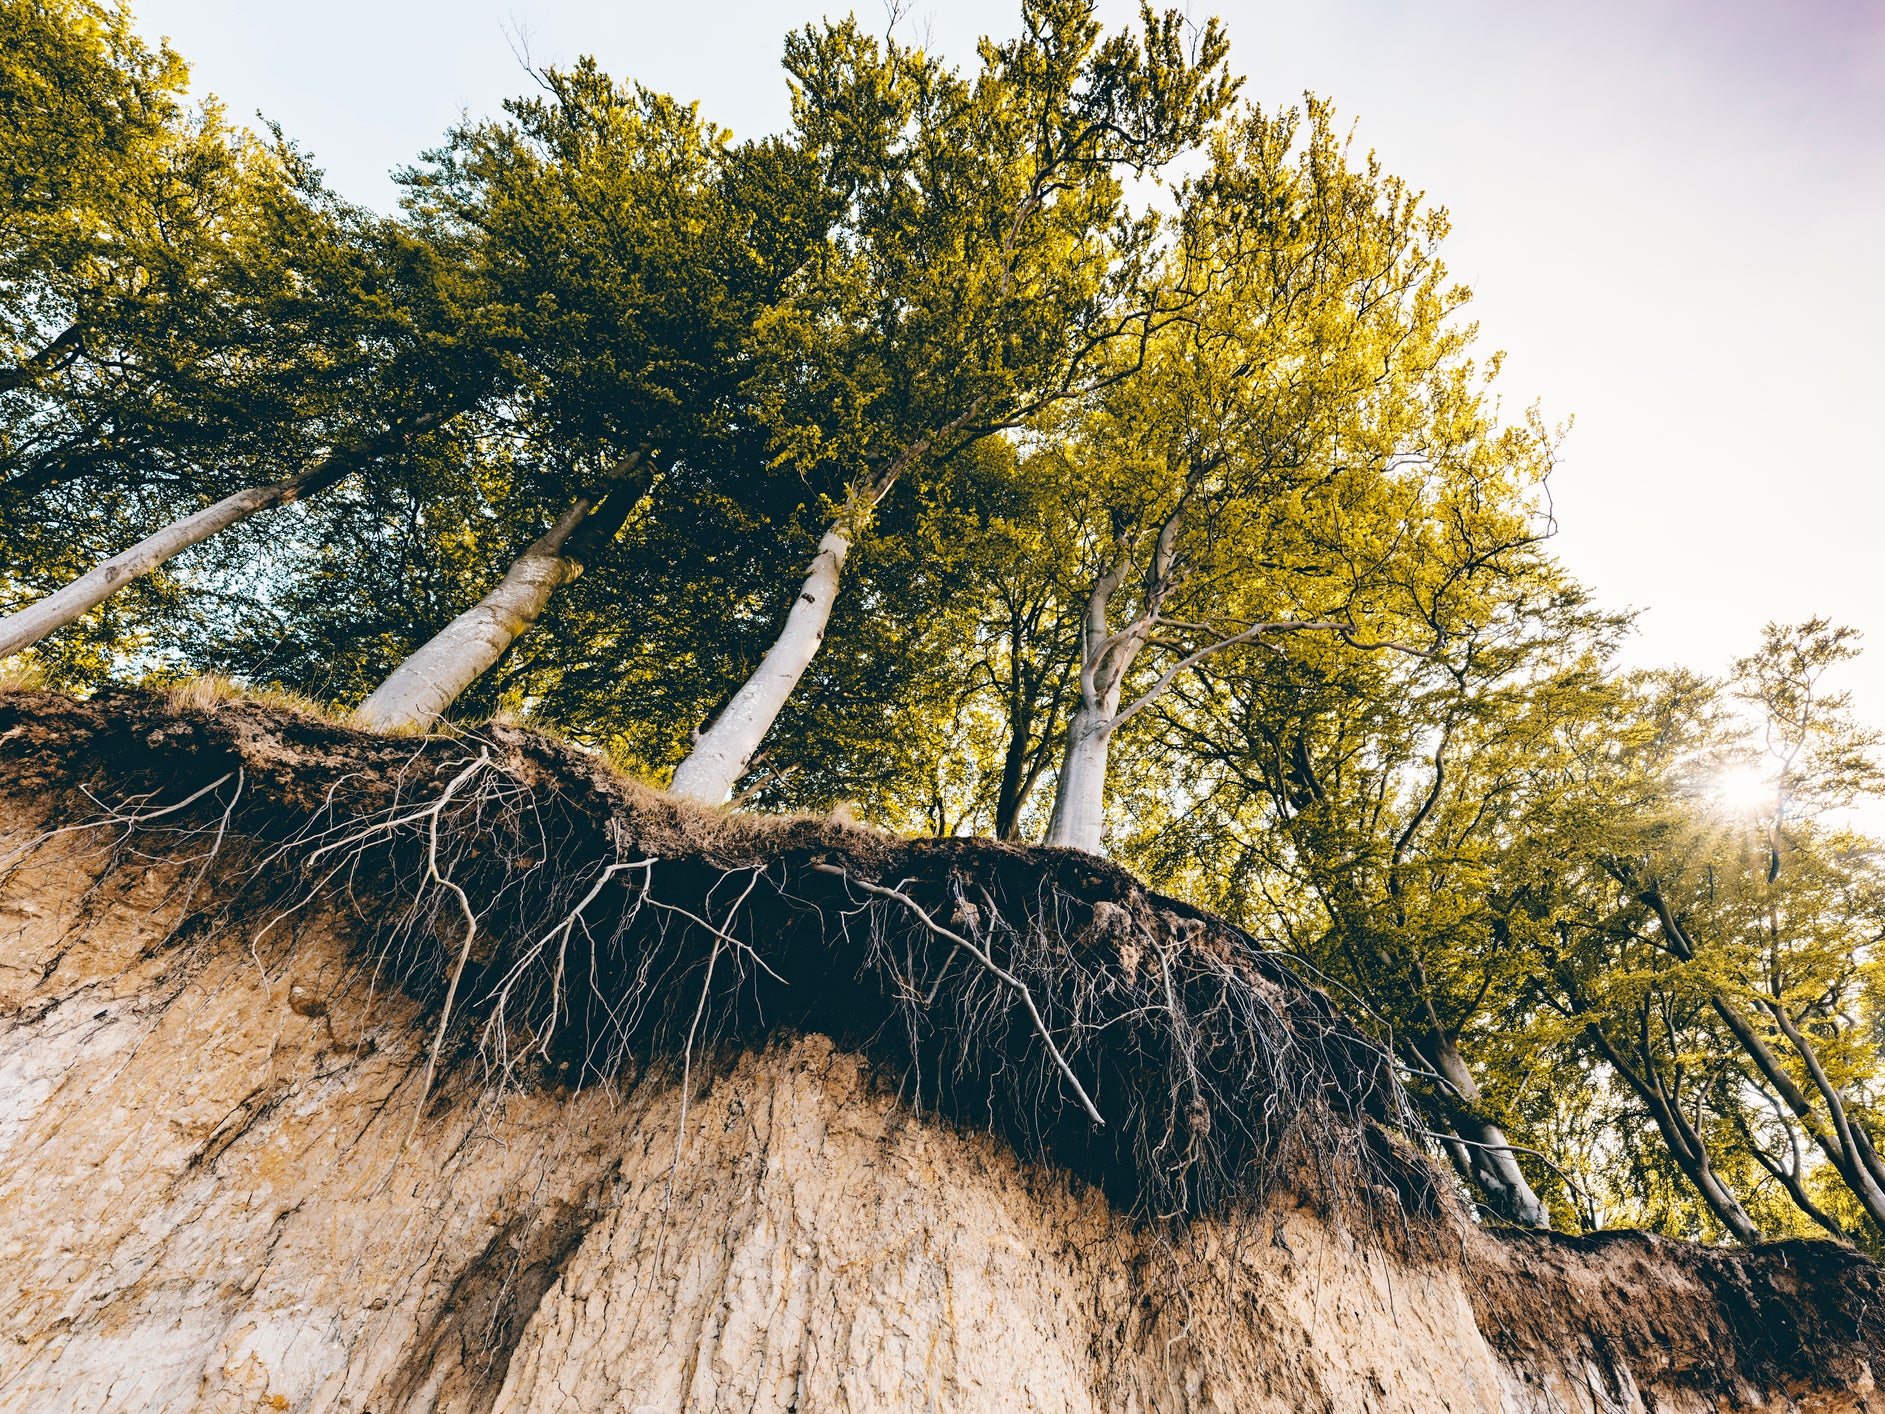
(222, 1188)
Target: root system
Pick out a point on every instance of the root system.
(567, 927)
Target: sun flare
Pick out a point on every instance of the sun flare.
(1745, 790)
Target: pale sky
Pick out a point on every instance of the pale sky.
(1672, 213)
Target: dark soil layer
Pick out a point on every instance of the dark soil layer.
(1735, 1325)
(617, 928)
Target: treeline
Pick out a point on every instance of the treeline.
(950, 455)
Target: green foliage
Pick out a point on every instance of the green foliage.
(207, 315)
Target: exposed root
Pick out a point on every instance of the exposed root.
(1021, 988)
(561, 924)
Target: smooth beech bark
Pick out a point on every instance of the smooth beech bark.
(1079, 818)
(1488, 1153)
(23, 629)
(723, 752)
(420, 690)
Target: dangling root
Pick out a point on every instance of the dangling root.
(1021, 988)
(559, 923)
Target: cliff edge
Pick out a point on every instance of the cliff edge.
(353, 1073)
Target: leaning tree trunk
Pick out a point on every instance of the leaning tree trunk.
(1691, 1156)
(721, 755)
(1493, 1165)
(1848, 1148)
(1841, 1148)
(419, 691)
(1684, 1144)
(1860, 1164)
(25, 628)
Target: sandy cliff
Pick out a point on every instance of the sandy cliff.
(226, 1181)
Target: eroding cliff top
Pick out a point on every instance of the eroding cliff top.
(563, 924)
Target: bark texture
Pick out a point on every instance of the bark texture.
(417, 692)
(1079, 818)
(420, 690)
(23, 629)
(214, 1196)
(1491, 1162)
(725, 749)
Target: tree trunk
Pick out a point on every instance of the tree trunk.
(1789, 1179)
(1010, 796)
(1016, 779)
(1860, 1174)
(1079, 820)
(419, 690)
(1684, 1144)
(1494, 1167)
(1017, 788)
(722, 753)
(1842, 1148)
(25, 628)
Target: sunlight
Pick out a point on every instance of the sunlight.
(1745, 790)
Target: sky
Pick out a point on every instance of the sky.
(1671, 213)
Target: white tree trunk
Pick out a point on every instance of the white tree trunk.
(1079, 820)
(89, 590)
(421, 688)
(724, 750)
(25, 628)
(1493, 1162)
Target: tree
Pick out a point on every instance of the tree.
(1364, 812)
(1265, 475)
(983, 268)
(1779, 907)
(644, 251)
(245, 341)
(86, 110)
